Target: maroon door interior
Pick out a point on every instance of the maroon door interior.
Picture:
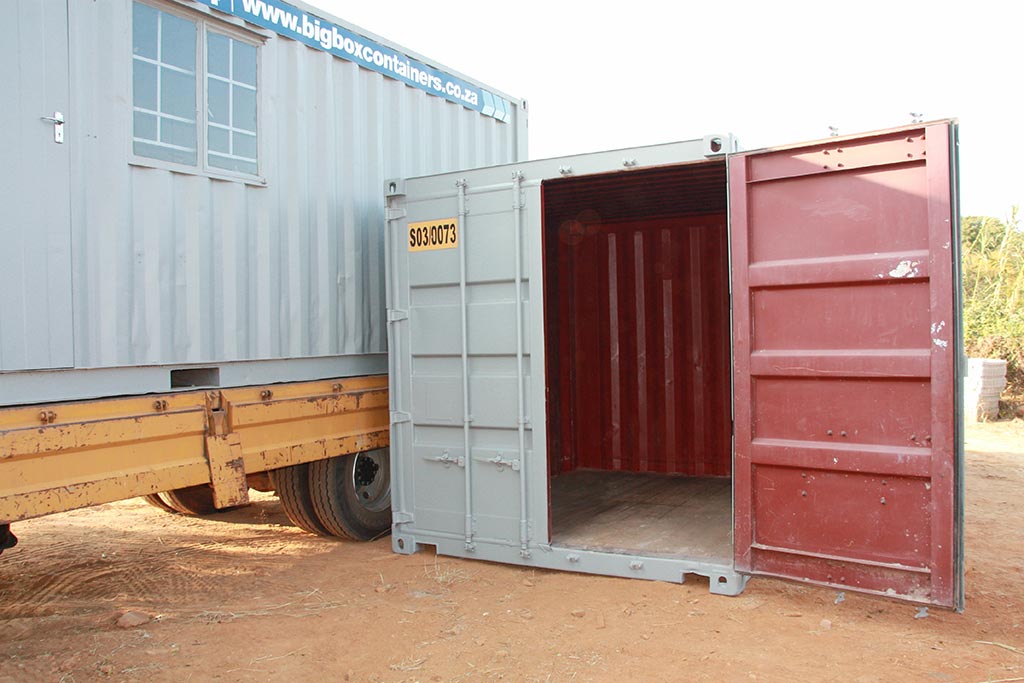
(845, 342)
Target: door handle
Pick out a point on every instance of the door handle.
(58, 126)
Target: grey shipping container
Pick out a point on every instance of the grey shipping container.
(191, 190)
(683, 359)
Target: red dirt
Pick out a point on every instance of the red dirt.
(245, 597)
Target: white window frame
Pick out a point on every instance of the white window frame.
(205, 22)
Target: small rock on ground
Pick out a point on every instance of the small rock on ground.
(132, 619)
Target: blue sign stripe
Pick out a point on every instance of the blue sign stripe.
(294, 23)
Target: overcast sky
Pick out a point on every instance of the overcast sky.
(769, 72)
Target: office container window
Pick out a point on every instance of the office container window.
(208, 123)
(231, 106)
(164, 85)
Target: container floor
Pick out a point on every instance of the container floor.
(643, 513)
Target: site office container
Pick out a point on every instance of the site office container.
(681, 359)
(191, 195)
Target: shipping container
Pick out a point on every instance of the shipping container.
(191, 253)
(684, 359)
(212, 207)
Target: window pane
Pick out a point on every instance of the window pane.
(144, 30)
(219, 140)
(243, 65)
(177, 41)
(243, 112)
(177, 94)
(233, 164)
(153, 151)
(145, 126)
(217, 54)
(217, 101)
(177, 133)
(245, 145)
(144, 85)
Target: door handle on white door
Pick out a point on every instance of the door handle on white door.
(58, 126)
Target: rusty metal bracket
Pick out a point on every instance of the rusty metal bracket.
(224, 453)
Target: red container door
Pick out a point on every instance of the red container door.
(845, 332)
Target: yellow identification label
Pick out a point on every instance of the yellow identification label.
(440, 234)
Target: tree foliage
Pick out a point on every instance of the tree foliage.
(993, 277)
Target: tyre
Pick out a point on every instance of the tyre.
(157, 500)
(352, 494)
(7, 539)
(194, 500)
(292, 485)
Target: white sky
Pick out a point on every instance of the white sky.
(606, 75)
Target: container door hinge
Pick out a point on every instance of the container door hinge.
(394, 213)
(401, 517)
(397, 417)
(396, 314)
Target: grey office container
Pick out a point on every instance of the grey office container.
(683, 359)
(117, 270)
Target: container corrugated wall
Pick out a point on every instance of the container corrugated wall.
(643, 364)
(170, 268)
(637, 291)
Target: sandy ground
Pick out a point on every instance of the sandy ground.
(246, 597)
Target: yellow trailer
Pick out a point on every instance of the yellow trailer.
(321, 445)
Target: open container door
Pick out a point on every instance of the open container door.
(848, 450)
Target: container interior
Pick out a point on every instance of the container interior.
(638, 361)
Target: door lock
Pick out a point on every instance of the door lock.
(58, 126)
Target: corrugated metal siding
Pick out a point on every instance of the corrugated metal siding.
(172, 268)
(638, 313)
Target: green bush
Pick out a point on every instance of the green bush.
(993, 272)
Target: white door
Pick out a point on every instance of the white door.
(35, 218)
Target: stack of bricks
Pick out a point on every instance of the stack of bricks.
(985, 381)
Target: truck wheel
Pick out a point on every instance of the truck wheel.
(292, 485)
(194, 500)
(157, 500)
(7, 539)
(352, 494)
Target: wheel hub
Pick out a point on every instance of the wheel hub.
(365, 471)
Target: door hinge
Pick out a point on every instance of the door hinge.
(401, 517)
(394, 213)
(396, 314)
(398, 416)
